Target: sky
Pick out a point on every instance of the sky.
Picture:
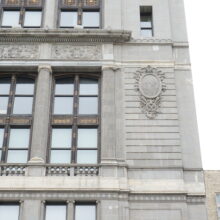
(203, 24)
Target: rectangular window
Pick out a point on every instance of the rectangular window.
(16, 101)
(85, 211)
(55, 212)
(75, 124)
(18, 145)
(58, 211)
(146, 23)
(9, 211)
(27, 13)
(84, 13)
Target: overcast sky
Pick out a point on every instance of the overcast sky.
(203, 23)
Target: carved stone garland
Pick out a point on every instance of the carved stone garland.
(150, 85)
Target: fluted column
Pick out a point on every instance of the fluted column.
(41, 114)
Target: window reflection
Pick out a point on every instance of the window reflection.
(88, 105)
(87, 138)
(9, 212)
(63, 106)
(32, 19)
(68, 19)
(10, 18)
(88, 87)
(55, 212)
(91, 19)
(85, 212)
(18, 145)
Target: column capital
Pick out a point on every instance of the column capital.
(46, 67)
(112, 68)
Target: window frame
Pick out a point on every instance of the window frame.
(54, 203)
(80, 7)
(10, 121)
(151, 14)
(74, 121)
(75, 203)
(22, 8)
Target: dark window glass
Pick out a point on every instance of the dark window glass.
(146, 23)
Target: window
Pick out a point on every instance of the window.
(218, 205)
(85, 211)
(58, 211)
(85, 13)
(16, 13)
(146, 23)
(9, 211)
(75, 120)
(16, 104)
(55, 212)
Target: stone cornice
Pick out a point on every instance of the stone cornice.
(64, 35)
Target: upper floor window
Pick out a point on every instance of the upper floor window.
(16, 104)
(75, 120)
(17, 13)
(9, 211)
(146, 22)
(85, 13)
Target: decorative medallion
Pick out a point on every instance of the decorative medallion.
(150, 85)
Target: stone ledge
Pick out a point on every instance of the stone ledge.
(64, 35)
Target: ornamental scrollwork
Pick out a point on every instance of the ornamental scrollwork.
(150, 85)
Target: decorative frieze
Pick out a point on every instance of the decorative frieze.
(150, 85)
(77, 52)
(19, 51)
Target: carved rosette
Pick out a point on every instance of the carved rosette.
(150, 85)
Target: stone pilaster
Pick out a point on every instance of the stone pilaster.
(70, 210)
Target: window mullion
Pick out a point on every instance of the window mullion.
(5, 143)
(80, 11)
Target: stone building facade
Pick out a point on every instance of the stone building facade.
(97, 112)
(212, 183)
